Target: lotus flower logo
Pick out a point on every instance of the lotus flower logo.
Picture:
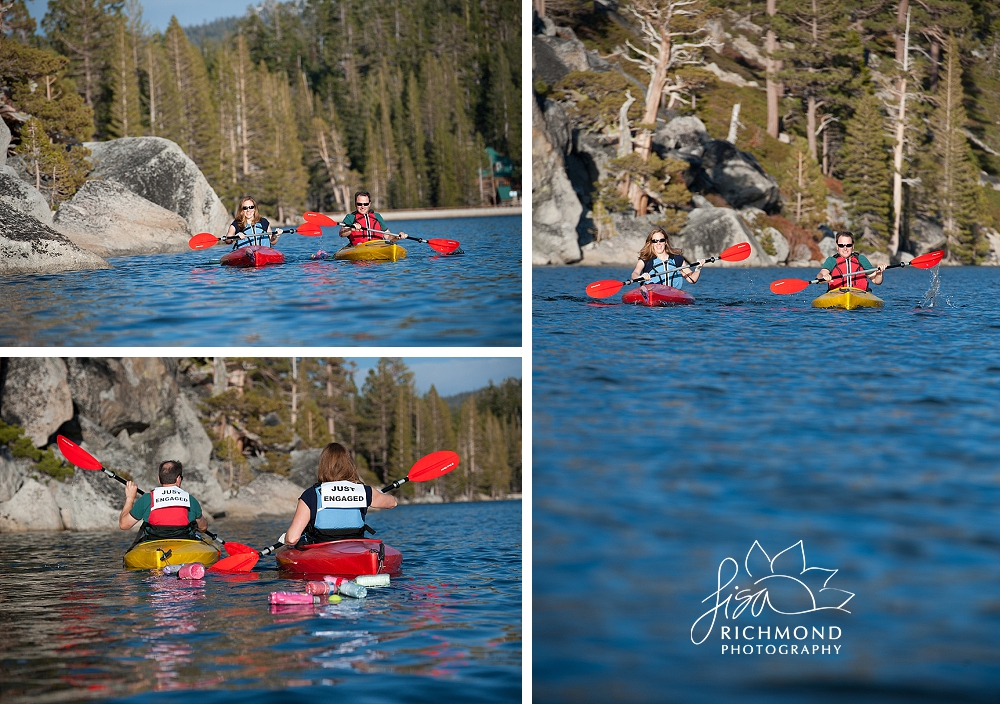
(784, 583)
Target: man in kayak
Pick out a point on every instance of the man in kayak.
(364, 224)
(335, 507)
(658, 257)
(249, 227)
(840, 270)
(167, 511)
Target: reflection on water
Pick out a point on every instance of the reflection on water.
(470, 299)
(447, 628)
(666, 440)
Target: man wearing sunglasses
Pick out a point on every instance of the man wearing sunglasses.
(364, 224)
(841, 270)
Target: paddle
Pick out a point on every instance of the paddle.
(608, 287)
(427, 468)
(76, 455)
(787, 286)
(204, 240)
(438, 244)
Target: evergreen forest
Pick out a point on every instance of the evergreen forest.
(258, 410)
(298, 103)
(882, 115)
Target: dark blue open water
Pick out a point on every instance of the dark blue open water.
(666, 440)
(472, 299)
(75, 626)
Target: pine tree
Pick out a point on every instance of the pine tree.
(126, 118)
(867, 176)
(54, 170)
(38, 86)
(82, 30)
(804, 189)
(955, 188)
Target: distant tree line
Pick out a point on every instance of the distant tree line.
(260, 409)
(302, 105)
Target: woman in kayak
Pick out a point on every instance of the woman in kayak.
(249, 227)
(658, 257)
(839, 271)
(335, 506)
(364, 224)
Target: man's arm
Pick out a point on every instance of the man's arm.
(126, 520)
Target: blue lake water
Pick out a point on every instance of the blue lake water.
(667, 440)
(78, 627)
(471, 299)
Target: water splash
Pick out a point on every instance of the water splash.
(933, 297)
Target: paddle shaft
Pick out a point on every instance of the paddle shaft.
(664, 274)
(858, 273)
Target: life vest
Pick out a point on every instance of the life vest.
(673, 278)
(848, 266)
(253, 233)
(368, 221)
(168, 515)
(340, 511)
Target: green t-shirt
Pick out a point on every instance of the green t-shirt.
(832, 262)
(349, 220)
(143, 504)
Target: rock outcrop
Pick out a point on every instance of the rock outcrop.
(28, 246)
(125, 393)
(159, 171)
(32, 508)
(268, 494)
(736, 176)
(108, 219)
(555, 206)
(4, 142)
(36, 396)
(23, 197)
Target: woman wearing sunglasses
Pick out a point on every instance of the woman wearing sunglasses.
(658, 257)
(364, 225)
(249, 227)
(840, 270)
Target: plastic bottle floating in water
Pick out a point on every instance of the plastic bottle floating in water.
(192, 570)
(345, 587)
(291, 598)
(372, 580)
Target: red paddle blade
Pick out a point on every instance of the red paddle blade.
(310, 229)
(444, 246)
(203, 240)
(736, 253)
(243, 562)
(603, 289)
(319, 219)
(786, 286)
(927, 261)
(432, 466)
(238, 548)
(76, 455)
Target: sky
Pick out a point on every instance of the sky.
(156, 13)
(449, 375)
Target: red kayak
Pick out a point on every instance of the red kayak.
(343, 558)
(657, 295)
(252, 256)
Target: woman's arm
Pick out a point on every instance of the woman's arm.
(692, 274)
(230, 233)
(299, 522)
(380, 500)
(637, 270)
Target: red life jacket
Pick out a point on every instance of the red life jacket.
(849, 265)
(169, 506)
(367, 221)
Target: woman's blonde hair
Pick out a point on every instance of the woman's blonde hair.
(241, 217)
(646, 253)
(336, 465)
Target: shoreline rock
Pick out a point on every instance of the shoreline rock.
(28, 246)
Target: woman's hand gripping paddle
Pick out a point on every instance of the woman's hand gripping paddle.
(204, 240)
(427, 468)
(437, 244)
(239, 554)
(607, 287)
(784, 287)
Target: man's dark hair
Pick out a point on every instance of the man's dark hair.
(843, 233)
(362, 193)
(169, 471)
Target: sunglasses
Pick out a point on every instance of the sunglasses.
(848, 245)
(363, 205)
(657, 241)
(249, 207)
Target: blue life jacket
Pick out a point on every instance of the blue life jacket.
(656, 266)
(340, 511)
(253, 233)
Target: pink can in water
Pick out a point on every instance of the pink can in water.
(193, 570)
(290, 598)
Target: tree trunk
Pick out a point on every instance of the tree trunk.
(935, 65)
(734, 123)
(771, 67)
(811, 126)
(220, 377)
(902, 57)
(653, 94)
(295, 399)
(329, 395)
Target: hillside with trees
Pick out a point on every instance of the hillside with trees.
(880, 117)
(298, 103)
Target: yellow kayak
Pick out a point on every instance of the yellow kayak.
(848, 299)
(373, 251)
(156, 554)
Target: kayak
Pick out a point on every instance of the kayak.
(155, 554)
(848, 299)
(372, 251)
(657, 295)
(344, 558)
(252, 256)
